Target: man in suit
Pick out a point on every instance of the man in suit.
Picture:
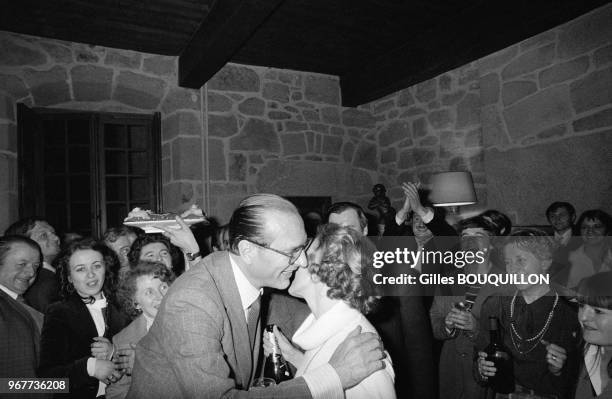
(561, 216)
(205, 340)
(45, 289)
(20, 325)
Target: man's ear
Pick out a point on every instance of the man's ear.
(365, 231)
(246, 250)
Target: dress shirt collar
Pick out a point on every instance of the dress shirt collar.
(248, 293)
(148, 321)
(48, 267)
(10, 293)
(563, 238)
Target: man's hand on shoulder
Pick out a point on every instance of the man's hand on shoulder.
(357, 357)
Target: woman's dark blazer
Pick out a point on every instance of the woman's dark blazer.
(66, 339)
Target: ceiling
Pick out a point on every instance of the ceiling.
(376, 47)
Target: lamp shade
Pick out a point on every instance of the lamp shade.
(452, 189)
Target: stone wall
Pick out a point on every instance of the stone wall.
(50, 73)
(532, 122)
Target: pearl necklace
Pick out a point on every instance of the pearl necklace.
(538, 336)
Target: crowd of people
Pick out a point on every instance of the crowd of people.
(172, 315)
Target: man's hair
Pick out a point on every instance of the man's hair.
(7, 241)
(247, 221)
(479, 222)
(556, 205)
(126, 291)
(339, 207)
(502, 223)
(22, 227)
(113, 233)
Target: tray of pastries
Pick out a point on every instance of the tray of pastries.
(147, 220)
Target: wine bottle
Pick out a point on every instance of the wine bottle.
(498, 353)
(276, 366)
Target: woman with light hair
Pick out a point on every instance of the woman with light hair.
(338, 292)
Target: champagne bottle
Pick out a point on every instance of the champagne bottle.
(498, 353)
(276, 367)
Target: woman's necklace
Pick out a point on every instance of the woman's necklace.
(517, 340)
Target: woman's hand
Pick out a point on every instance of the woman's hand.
(182, 237)
(289, 352)
(106, 372)
(124, 359)
(486, 368)
(555, 357)
(101, 348)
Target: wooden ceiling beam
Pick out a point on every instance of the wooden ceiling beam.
(229, 24)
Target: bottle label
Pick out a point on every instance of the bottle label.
(501, 355)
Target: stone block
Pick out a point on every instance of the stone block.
(332, 145)
(413, 111)
(290, 78)
(330, 115)
(445, 82)
(15, 52)
(58, 53)
(322, 89)
(235, 78)
(405, 98)
(352, 117)
(497, 59)
(538, 40)
(429, 141)
(452, 98)
(319, 127)
(544, 109)
(433, 105)
(7, 108)
(291, 126)
(179, 98)
(160, 65)
(592, 91)
(473, 138)
(419, 128)
(601, 119)
(293, 144)
(177, 194)
(311, 115)
(493, 130)
(48, 87)
(181, 123)
(426, 91)
(476, 162)
(549, 171)
(318, 143)
(337, 131)
(166, 169)
(219, 103)
(87, 53)
(8, 137)
(489, 88)
(222, 125)
(586, 33)
(529, 61)
(139, 90)
(91, 83)
(563, 71)
(384, 106)
(602, 56)
(256, 134)
(467, 74)
(252, 106)
(237, 167)
(279, 115)
(216, 160)
(394, 132)
(389, 155)
(440, 119)
(123, 59)
(366, 156)
(297, 96)
(347, 152)
(187, 158)
(517, 90)
(458, 164)
(276, 92)
(555, 131)
(166, 150)
(406, 160)
(255, 158)
(13, 85)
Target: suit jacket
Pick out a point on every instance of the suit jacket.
(44, 291)
(19, 338)
(129, 335)
(66, 340)
(198, 345)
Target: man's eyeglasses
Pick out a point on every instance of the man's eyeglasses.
(293, 256)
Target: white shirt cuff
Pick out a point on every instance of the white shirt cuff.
(91, 366)
(399, 220)
(428, 216)
(324, 383)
